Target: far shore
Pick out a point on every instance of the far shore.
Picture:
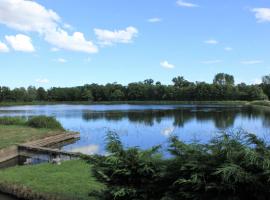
(128, 102)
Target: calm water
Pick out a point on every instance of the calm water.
(147, 125)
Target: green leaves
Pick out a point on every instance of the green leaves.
(231, 166)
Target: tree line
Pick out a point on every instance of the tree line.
(223, 87)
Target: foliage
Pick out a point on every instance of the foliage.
(222, 88)
(44, 122)
(223, 79)
(232, 166)
(131, 173)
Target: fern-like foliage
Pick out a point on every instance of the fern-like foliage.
(233, 166)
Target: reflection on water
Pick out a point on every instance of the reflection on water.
(147, 125)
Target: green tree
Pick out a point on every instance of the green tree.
(180, 82)
(41, 94)
(117, 95)
(223, 79)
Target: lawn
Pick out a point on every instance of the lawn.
(15, 134)
(70, 180)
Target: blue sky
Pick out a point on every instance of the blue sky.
(68, 43)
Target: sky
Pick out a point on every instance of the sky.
(69, 43)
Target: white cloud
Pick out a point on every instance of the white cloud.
(228, 48)
(251, 62)
(262, 14)
(154, 20)
(211, 61)
(42, 80)
(3, 48)
(75, 42)
(107, 37)
(183, 3)
(211, 41)
(166, 64)
(20, 42)
(61, 60)
(29, 16)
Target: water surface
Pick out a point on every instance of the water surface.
(147, 125)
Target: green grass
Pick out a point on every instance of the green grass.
(15, 134)
(70, 180)
(13, 121)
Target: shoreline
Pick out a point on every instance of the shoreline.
(3, 104)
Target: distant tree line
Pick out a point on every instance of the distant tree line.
(222, 88)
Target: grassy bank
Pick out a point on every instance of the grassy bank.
(15, 130)
(15, 134)
(124, 102)
(70, 180)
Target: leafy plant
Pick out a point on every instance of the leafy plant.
(232, 166)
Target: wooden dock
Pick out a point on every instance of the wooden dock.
(41, 147)
(49, 141)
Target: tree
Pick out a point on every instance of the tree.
(86, 95)
(117, 95)
(31, 93)
(41, 94)
(223, 79)
(266, 80)
(180, 82)
(148, 81)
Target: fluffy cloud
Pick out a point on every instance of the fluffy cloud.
(211, 61)
(183, 3)
(42, 80)
(29, 16)
(154, 20)
(166, 64)
(75, 42)
(20, 42)
(3, 47)
(107, 37)
(211, 41)
(251, 62)
(262, 14)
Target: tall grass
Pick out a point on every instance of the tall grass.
(13, 120)
(35, 122)
(44, 122)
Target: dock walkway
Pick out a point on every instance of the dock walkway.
(41, 146)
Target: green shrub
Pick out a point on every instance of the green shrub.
(44, 122)
(230, 167)
(12, 121)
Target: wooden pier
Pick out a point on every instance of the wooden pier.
(41, 148)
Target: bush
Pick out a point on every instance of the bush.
(12, 121)
(44, 122)
(231, 167)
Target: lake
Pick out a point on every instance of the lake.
(147, 125)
